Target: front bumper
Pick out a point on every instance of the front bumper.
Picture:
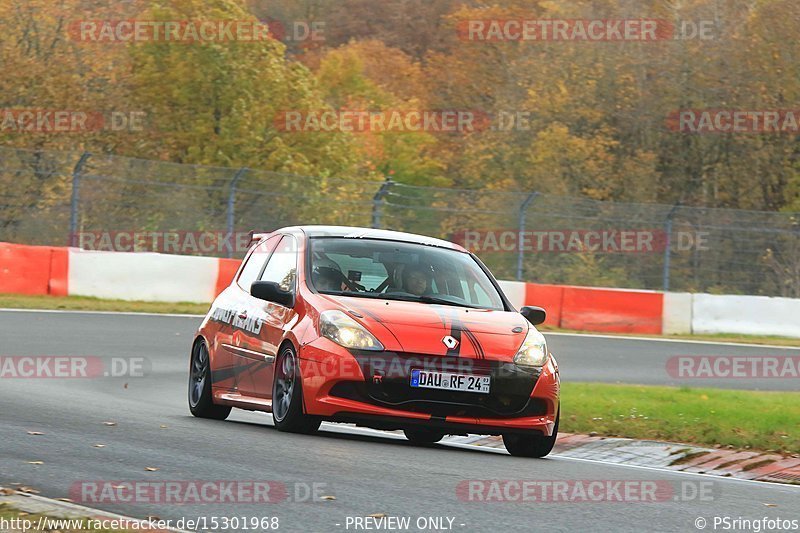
(372, 389)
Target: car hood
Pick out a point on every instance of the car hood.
(421, 328)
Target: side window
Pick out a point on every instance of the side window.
(475, 293)
(465, 290)
(255, 263)
(481, 297)
(282, 266)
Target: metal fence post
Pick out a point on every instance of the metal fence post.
(668, 245)
(75, 199)
(378, 202)
(521, 224)
(232, 206)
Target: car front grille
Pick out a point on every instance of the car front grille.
(388, 378)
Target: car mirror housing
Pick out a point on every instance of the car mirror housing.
(534, 315)
(271, 292)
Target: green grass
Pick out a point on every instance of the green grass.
(84, 303)
(742, 419)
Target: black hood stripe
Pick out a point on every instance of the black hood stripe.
(476, 343)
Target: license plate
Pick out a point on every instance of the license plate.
(426, 379)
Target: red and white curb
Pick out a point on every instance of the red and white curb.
(739, 464)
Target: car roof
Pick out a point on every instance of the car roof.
(369, 233)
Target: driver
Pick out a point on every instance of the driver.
(416, 280)
(327, 275)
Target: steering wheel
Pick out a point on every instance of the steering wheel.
(352, 285)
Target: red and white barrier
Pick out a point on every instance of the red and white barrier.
(175, 278)
(142, 276)
(33, 269)
(748, 315)
(677, 313)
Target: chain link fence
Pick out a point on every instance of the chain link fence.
(53, 198)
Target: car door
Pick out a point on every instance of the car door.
(236, 307)
(262, 341)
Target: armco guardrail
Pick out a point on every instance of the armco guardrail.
(163, 277)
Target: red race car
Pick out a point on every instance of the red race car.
(376, 328)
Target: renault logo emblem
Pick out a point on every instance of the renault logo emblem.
(450, 342)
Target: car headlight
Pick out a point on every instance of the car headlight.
(533, 351)
(343, 330)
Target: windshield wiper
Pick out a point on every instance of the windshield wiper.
(356, 294)
(436, 300)
(428, 299)
(425, 298)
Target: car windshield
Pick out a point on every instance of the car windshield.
(372, 268)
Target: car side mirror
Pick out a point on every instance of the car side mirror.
(271, 292)
(534, 315)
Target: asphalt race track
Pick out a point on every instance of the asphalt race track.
(367, 472)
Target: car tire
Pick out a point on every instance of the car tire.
(522, 445)
(423, 436)
(201, 403)
(287, 396)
